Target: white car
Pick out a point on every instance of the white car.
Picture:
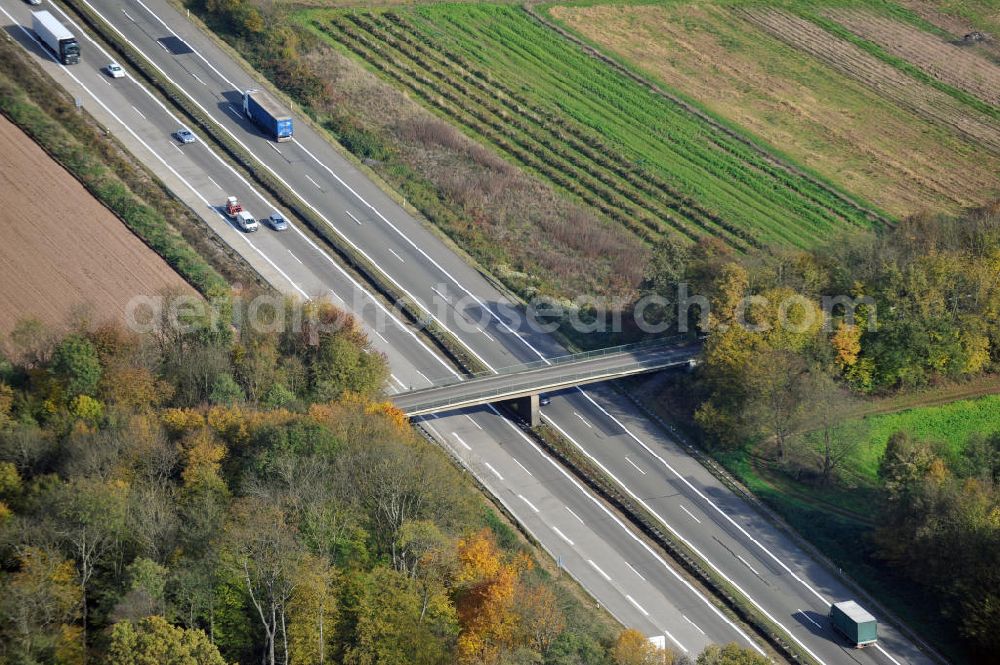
(246, 222)
(115, 70)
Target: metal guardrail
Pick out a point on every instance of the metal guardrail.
(513, 387)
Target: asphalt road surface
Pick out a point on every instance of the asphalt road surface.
(604, 555)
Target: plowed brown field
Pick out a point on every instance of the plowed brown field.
(955, 65)
(60, 249)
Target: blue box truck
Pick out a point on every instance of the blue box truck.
(267, 114)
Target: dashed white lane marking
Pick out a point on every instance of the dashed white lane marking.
(473, 421)
(563, 536)
(693, 624)
(495, 472)
(425, 377)
(139, 112)
(635, 465)
(747, 564)
(213, 181)
(232, 109)
(523, 467)
(396, 255)
(394, 378)
(637, 605)
(575, 515)
(886, 653)
(632, 568)
(598, 569)
(380, 336)
(690, 514)
(808, 618)
(198, 78)
(176, 147)
(530, 505)
(583, 419)
(128, 16)
(353, 217)
(334, 294)
(273, 147)
(312, 181)
(488, 336)
(295, 257)
(446, 299)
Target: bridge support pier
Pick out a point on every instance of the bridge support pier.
(527, 408)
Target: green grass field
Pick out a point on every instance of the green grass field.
(637, 157)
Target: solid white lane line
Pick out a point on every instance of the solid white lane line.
(563, 536)
(693, 624)
(495, 472)
(598, 569)
(635, 465)
(808, 618)
(575, 515)
(886, 654)
(674, 639)
(395, 254)
(471, 420)
(312, 181)
(635, 571)
(637, 605)
(459, 439)
(139, 112)
(530, 505)
(690, 514)
(583, 419)
(353, 217)
(295, 257)
(522, 467)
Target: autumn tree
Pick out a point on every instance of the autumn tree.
(633, 648)
(153, 641)
(39, 608)
(312, 611)
(730, 654)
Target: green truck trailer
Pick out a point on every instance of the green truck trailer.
(854, 622)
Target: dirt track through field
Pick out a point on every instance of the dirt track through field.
(957, 66)
(878, 75)
(61, 251)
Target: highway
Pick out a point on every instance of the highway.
(627, 577)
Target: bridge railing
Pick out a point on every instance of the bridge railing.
(562, 360)
(513, 386)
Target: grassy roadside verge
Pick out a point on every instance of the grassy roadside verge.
(731, 601)
(36, 104)
(354, 260)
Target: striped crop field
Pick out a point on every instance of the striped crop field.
(642, 159)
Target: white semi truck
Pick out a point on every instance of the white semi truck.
(55, 35)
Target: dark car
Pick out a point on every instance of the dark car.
(544, 400)
(277, 221)
(185, 136)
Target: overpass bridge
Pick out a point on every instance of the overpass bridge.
(521, 385)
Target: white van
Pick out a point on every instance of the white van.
(246, 221)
